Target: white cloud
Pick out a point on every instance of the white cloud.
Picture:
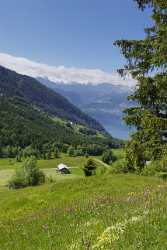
(62, 73)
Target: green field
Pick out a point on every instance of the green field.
(73, 212)
(7, 167)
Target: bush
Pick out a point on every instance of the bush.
(162, 175)
(86, 155)
(119, 166)
(135, 156)
(108, 157)
(64, 148)
(95, 150)
(18, 157)
(30, 151)
(90, 168)
(18, 180)
(79, 151)
(156, 168)
(56, 153)
(151, 169)
(28, 175)
(71, 151)
(163, 163)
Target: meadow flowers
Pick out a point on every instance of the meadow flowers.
(114, 232)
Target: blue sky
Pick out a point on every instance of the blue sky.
(77, 33)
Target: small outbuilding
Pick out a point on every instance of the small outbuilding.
(63, 169)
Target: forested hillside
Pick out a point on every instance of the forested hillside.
(32, 115)
(34, 93)
(22, 125)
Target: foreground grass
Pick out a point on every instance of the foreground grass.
(105, 212)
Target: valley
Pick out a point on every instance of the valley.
(104, 102)
(83, 125)
(34, 115)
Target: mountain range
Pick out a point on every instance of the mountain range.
(101, 95)
(104, 102)
(29, 89)
(33, 114)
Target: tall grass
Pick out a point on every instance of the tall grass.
(101, 212)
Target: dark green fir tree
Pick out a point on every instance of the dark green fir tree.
(147, 62)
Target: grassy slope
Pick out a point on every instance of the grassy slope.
(102, 212)
(79, 213)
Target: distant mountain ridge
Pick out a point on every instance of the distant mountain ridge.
(13, 84)
(102, 95)
(32, 114)
(105, 102)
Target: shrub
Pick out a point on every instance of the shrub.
(30, 151)
(151, 169)
(28, 175)
(48, 155)
(71, 151)
(90, 168)
(18, 157)
(162, 175)
(86, 155)
(108, 157)
(135, 157)
(163, 163)
(156, 168)
(119, 166)
(56, 153)
(18, 180)
(64, 148)
(94, 149)
(79, 152)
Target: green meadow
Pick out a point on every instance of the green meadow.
(8, 167)
(106, 211)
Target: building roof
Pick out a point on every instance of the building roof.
(62, 166)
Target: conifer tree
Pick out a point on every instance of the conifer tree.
(147, 62)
